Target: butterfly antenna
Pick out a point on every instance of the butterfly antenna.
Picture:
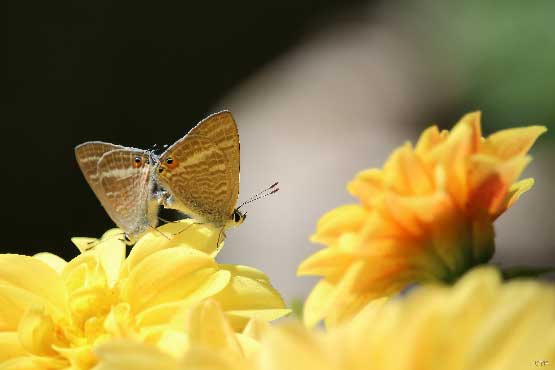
(272, 189)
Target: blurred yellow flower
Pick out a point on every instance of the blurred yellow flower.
(480, 323)
(53, 313)
(427, 215)
(204, 339)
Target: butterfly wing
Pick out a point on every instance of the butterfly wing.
(204, 173)
(125, 177)
(88, 154)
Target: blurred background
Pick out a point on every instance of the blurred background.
(320, 91)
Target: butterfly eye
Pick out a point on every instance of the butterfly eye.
(172, 163)
(137, 162)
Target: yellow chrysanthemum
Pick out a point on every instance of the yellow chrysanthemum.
(426, 216)
(480, 323)
(53, 313)
(203, 338)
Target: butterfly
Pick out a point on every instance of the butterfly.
(200, 172)
(123, 181)
(198, 175)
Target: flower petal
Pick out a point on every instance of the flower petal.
(127, 355)
(366, 184)
(339, 221)
(185, 233)
(56, 263)
(33, 276)
(167, 275)
(327, 296)
(10, 346)
(326, 262)
(24, 363)
(249, 293)
(429, 139)
(506, 144)
(516, 190)
(158, 314)
(111, 254)
(208, 327)
(84, 244)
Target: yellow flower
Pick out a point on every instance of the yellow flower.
(53, 313)
(480, 323)
(203, 339)
(426, 216)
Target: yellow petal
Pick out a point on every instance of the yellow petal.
(452, 157)
(118, 321)
(111, 254)
(200, 358)
(185, 233)
(248, 293)
(34, 276)
(127, 355)
(406, 174)
(366, 184)
(513, 329)
(512, 142)
(517, 189)
(248, 290)
(167, 275)
(56, 263)
(247, 271)
(24, 363)
(327, 296)
(36, 332)
(13, 304)
(294, 348)
(429, 139)
(412, 213)
(205, 288)
(84, 244)
(10, 346)
(339, 221)
(80, 357)
(208, 327)
(240, 318)
(174, 342)
(490, 180)
(329, 261)
(256, 329)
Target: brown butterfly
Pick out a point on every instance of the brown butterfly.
(200, 172)
(122, 179)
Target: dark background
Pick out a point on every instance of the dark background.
(130, 73)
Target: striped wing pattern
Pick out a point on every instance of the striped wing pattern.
(205, 179)
(123, 188)
(88, 154)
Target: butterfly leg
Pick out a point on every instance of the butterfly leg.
(222, 233)
(91, 245)
(167, 221)
(122, 237)
(188, 226)
(159, 232)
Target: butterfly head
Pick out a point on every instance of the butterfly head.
(236, 219)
